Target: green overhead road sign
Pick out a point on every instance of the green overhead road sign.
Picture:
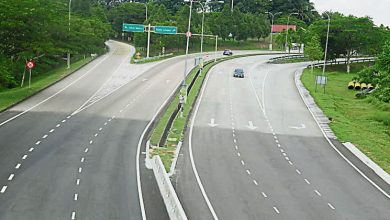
(133, 28)
(165, 30)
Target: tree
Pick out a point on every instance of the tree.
(348, 36)
(313, 49)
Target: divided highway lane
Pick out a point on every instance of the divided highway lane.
(259, 154)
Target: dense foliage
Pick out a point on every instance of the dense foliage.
(38, 29)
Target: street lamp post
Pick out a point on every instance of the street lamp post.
(68, 55)
(272, 24)
(187, 47)
(326, 45)
(288, 21)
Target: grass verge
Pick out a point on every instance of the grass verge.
(363, 122)
(13, 96)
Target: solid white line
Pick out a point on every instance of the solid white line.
(276, 210)
(31, 149)
(248, 172)
(80, 169)
(299, 172)
(11, 177)
(18, 166)
(317, 192)
(24, 157)
(334, 147)
(214, 214)
(264, 195)
(55, 94)
(73, 215)
(261, 105)
(38, 142)
(307, 181)
(3, 189)
(78, 182)
(45, 136)
(331, 206)
(76, 196)
(52, 130)
(255, 182)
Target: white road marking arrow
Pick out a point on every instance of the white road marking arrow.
(212, 123)
(298, 128)
(251, 126)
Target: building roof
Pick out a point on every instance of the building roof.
(281, 27)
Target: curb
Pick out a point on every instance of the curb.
(371, 164)
(328, 133)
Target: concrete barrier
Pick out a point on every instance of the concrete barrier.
(172, 203)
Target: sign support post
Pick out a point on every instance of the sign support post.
(147, 53)
(29, 80)
(216, 48)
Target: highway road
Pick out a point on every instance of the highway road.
(253, 151)
(72, 151)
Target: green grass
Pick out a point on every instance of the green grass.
(10, 97)
(363, 122)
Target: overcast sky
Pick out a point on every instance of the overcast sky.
(379, 10)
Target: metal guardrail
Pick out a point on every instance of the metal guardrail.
(287, 57)
(338, 62)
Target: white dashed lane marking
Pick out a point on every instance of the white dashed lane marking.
(264, 195)
(82, 160)
(86, 150)
(100, 129)
(248, 172)
(238, 154)
(73, 215)
(242, 162)
(276, 210)
(96, 134)
(11, 177)
(31, 149)
(299, 172)
(255, 182)
(63, 121)
(91, 141)
(331, 206)
(80, 169)
(24, 157)
(307, 181)
(3, 189)
(78, 182)
(290, 163)
(45, 136)
(18, 166)
(37, 143)
(58, 125)
(51, 131)
(317, 192)
(76, 196)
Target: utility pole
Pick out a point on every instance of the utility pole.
(187, 47)
(68, 55)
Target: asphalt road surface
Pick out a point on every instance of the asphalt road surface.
(71, 151)
(254, 151)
